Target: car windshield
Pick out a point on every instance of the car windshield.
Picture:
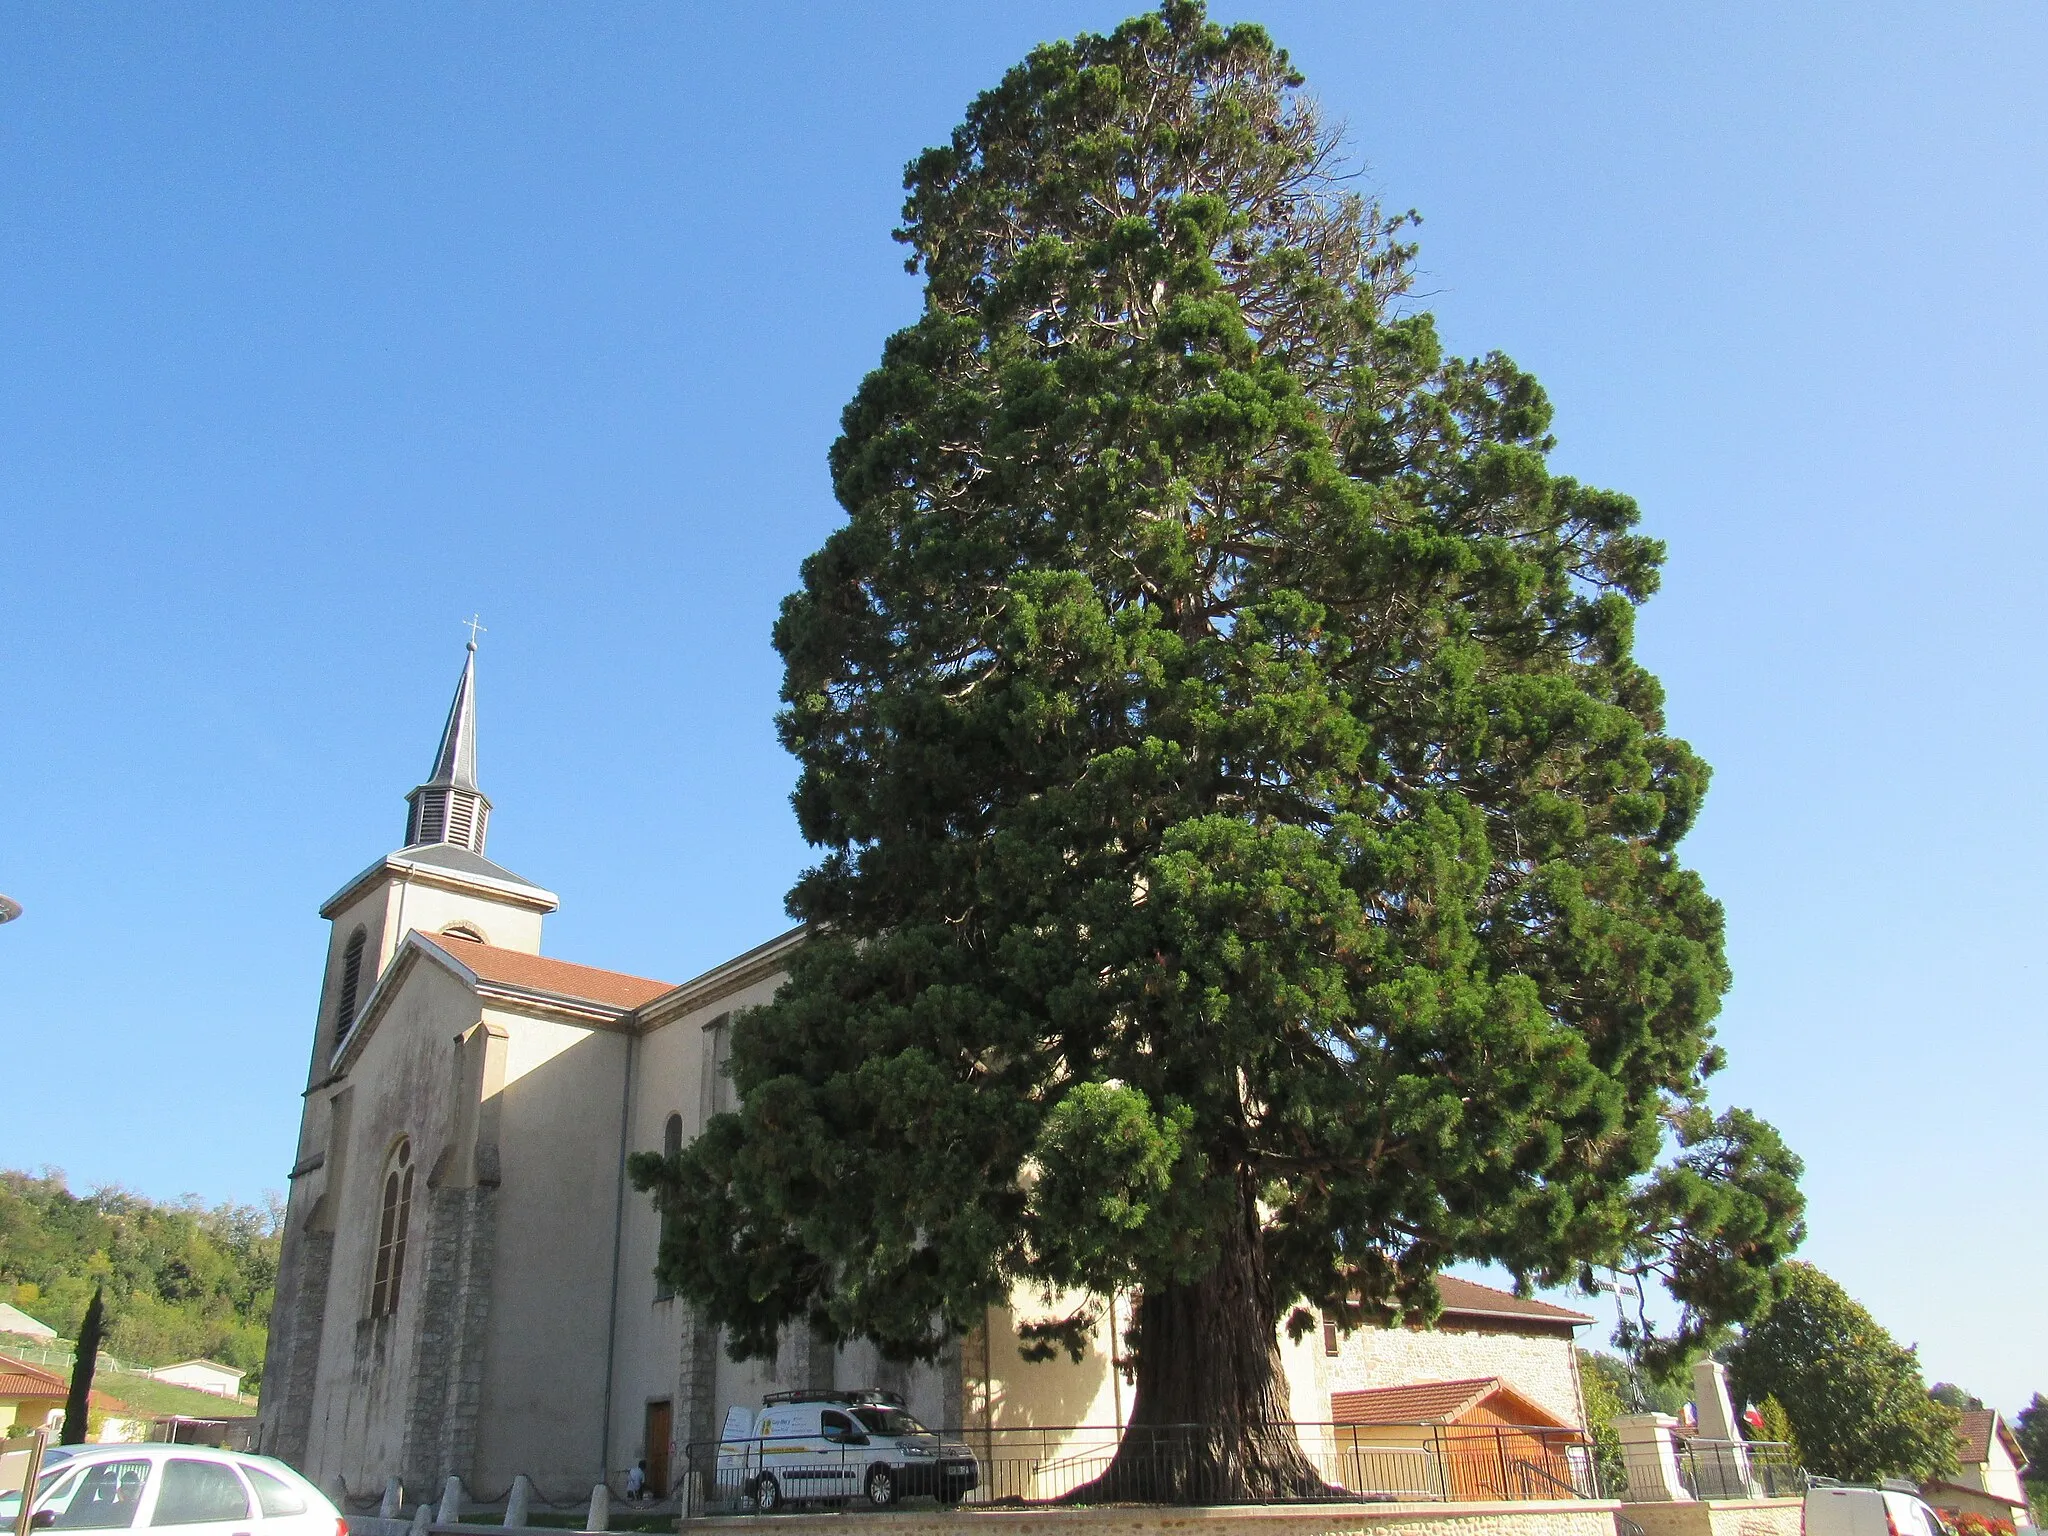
(889, 1421)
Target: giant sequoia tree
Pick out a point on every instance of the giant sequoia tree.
(1248, 870)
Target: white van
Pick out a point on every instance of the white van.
(808, 1446)
(1833, 1509)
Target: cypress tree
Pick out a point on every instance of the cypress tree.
(79, 1400)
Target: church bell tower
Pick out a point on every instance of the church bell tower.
(449, 808)
(438, 883)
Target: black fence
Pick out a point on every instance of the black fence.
(1427, 1463)
(1709, 1469)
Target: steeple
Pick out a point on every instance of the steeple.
(449, 808)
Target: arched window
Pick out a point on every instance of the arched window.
(351, 982)
(394, 1218)
(671, 1144)
(464, 931)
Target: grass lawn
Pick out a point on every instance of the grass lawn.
(147, 1396)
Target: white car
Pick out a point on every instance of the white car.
(201, 1492)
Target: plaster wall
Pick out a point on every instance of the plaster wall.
(1998, 1475)
(429, 908)
(547, 1328)
(660, 1353)
(386, 913)
(403, 1084)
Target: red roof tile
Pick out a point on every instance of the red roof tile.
(1470, 1299)
(536, 973)
(20, 1379)
(1437, 1402)
(1422, 1402)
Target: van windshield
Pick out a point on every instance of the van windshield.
(889, 1421)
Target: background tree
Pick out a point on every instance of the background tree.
(2031, 1430)
(1950, 1395)
(181, 1280)
(78, 1402)
(1249, 864)
(1777, 1429)
(1856, 1398)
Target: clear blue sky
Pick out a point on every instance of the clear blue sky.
(321, 327)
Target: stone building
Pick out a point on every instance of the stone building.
(467, 1280)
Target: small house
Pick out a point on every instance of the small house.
(17, 1322)
(1477, 1439)
(1989, 1465)
(28, 1394)
(204, 1376)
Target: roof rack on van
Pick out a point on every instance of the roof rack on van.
(874, 1395)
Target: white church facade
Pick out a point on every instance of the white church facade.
(467, 1283)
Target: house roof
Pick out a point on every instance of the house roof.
(211, 1365)
(1931, 1489)
(1467, 1298)
(14, 1320)
(1432, 1402)
(558, 978)
(20, 1379)
(1973, 1438)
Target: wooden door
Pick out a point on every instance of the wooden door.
(660, 1425)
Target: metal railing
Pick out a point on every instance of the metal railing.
(1425, 1463)
(1740, 1469)
(1700, 1468)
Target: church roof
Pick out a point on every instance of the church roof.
(449, 856)
(556, 978)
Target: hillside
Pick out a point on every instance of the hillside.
(181, 1280)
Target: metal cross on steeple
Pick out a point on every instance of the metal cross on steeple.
(475, 629)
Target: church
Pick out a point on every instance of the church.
(467, 1282)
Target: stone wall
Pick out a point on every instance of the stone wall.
(1575, 1518)
(1718, 1517)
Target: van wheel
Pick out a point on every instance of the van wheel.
(881, 1487)
(767, 1495)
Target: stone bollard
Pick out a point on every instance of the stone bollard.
(1650, 1457)
(394, 1499)
(422, 1519)
(600, 1509)
(517, 1501)
(451, 1501)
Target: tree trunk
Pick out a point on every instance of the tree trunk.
(1210, 1421)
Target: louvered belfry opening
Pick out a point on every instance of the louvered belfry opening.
(449, 808)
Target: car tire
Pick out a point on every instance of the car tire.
(949, 1495)
(880, 1487)
(767, 1495)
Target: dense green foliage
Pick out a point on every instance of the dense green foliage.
(1604, 1383)
(1949, 1393)
(1249, 842)
(1776, 1429)
(181, 1281)
(2031, 1430)
(1858, 1404)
